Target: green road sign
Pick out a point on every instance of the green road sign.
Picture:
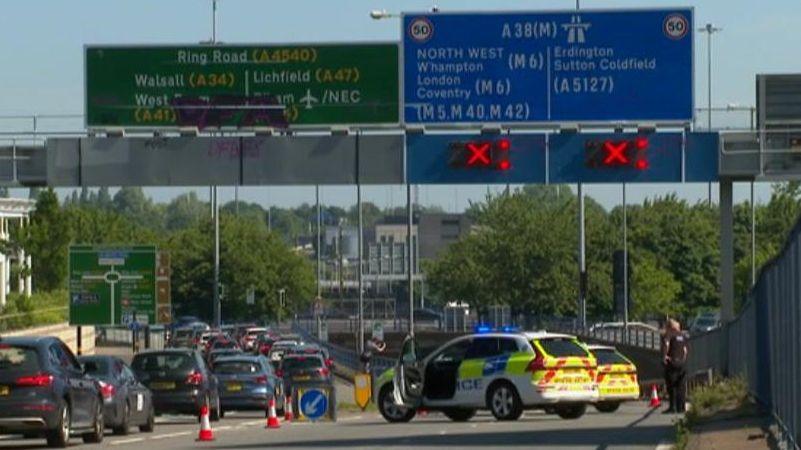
(112, 285)
(242, 86)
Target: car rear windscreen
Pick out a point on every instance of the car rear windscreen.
(295, 364)
(18, 358)
(236, 367)
(609, 357)
(178, 362)
(561, 348)
(96, 366)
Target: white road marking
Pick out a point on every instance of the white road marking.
(127, 441)
(442, 432)
(171, 435)
(664, 446)
(346, 419)
(226, 427)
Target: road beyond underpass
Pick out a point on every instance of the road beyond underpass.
(634, 426)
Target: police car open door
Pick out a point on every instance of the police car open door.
(408, 380)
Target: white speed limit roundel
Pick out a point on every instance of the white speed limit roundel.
(421, 29)
(676, 26)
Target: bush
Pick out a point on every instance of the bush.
(41, 308)
(723, 394)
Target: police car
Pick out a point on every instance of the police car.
(505, 373)
(616, 377)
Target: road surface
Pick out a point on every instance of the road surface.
(634, 426)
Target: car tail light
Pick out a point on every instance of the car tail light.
(279, 373)
(107, 389)
(536, 364)
(194, 378)
(265, 348)
(261, 379)
(38, 380)
(324, 371)
(329, 362)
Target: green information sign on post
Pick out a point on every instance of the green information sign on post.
(242, 86)
(112, 285)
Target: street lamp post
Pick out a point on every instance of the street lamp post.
(709, 29)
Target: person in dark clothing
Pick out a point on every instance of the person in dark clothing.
(677, 350)
(665, 334)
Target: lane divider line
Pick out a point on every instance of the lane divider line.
(127, 441)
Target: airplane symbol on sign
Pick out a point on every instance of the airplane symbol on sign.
(309, 99)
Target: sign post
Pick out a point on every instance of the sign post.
(548, 67)
(241, 86)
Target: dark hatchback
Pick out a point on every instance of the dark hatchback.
(180, 381)
(247, 383)
(301, 370)
(127, 401)
(44, 392)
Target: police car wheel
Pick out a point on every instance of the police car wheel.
(607, 407)
(459, 414)
(572, 411)
(389, 410)
(504, 402)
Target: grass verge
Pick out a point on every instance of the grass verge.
(728, 396)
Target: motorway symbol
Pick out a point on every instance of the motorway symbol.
(314, 404)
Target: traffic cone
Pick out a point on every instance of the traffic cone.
(654, 397)
(272, 418)
(206, 433)
(288, 415)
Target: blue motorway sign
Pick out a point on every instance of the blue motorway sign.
(587, 66)
(313, 404)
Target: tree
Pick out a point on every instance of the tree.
(47, 240)
(654, 290)
(185, 211)
(250, 258)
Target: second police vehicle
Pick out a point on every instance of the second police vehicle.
(505, 373)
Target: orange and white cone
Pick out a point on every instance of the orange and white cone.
(206, 433)
(289, 416)
(654, 397)
(272, 418)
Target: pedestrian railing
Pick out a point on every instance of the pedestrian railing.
(763, 344)
(124, 336)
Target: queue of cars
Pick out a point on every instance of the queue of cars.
(505, 373)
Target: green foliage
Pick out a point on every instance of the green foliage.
(42, 308)
(722, 394)
(250, 258)
(654, 290)
(47, 239)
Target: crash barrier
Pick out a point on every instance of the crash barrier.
(347, 362)
(66, 333)
(763, 344)
(145, 339)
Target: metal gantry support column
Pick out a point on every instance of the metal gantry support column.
(625, 268)
(410, 255)
(753, 237)
(726, 251)
(360, 267)
(319, 240)
(217, 305)
(582, 290)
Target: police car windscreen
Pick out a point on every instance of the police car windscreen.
(561, 348)
(609, 357)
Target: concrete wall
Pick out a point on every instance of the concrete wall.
(66, 333)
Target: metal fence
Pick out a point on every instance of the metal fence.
(763, 343)
(125, 336)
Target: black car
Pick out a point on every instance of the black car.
(216, 354)
(180, 381)
(45, 392)
(302, 370)
(247, 383)
(127, 401)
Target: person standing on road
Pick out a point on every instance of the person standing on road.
(665, 334)
(677, 350)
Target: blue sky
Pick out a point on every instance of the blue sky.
(41, 44)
